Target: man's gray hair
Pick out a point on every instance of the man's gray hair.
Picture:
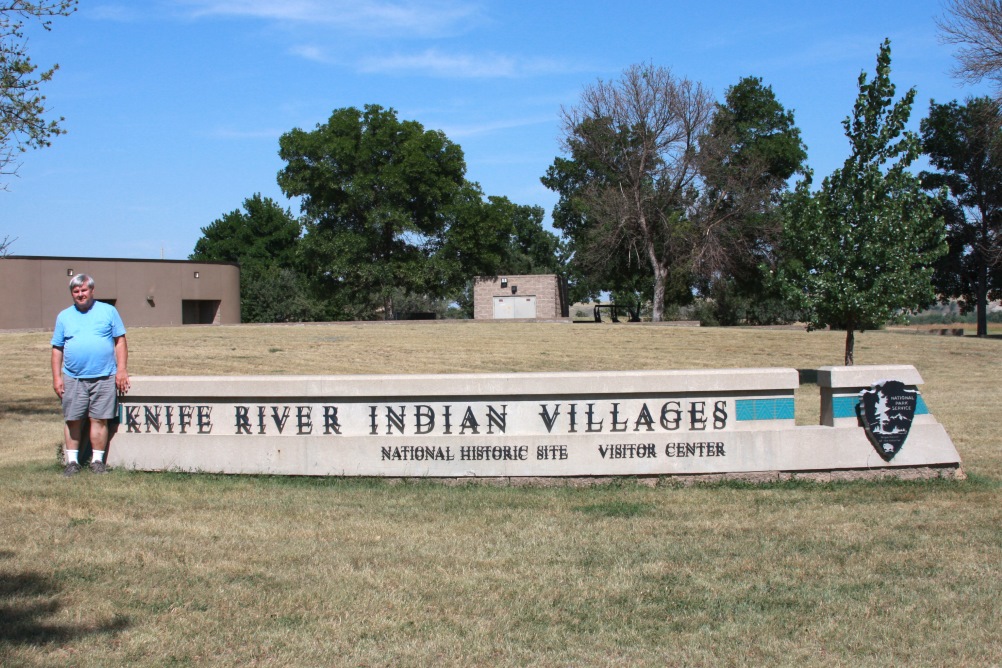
(81, 279)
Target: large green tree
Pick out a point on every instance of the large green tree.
(759, 131)
(752, 138)
(263, 238)
(530, 248)
(643, 188)
(627, 184)
(23, 121)
(593, 264)
(863, 247)
(375, 193)
(964, 142)
(262, 233)
(473, 241)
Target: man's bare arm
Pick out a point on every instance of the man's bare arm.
(57, 371)
(122, 361)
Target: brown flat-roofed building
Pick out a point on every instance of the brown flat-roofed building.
(147, 293)
(519, 297)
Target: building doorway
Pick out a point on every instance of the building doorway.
(199, 311)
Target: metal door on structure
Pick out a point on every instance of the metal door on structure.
(514, 307)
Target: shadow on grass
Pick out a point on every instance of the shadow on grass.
(33, 407)
(27, 601)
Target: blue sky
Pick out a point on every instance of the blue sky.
(174, 107)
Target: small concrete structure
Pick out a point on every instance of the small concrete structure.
(519, 297)
(636, 423)
(840, 387)
(147, 293)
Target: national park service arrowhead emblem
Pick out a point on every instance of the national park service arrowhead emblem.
(886, 411)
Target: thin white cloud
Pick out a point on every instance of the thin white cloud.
(311, 52)
(321, 29)
(418, 18)
(433, 62)
(460, 131)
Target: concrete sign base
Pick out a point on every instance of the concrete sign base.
(543, 425)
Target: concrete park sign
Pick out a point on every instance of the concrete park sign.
(630, 423)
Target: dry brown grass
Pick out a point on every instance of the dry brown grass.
(165, 569)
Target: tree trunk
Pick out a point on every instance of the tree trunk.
(850, 343)
(658, 307)
(983, 298)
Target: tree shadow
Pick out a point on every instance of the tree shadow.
(27, 601)
(32, 407)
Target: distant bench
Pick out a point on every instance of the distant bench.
(614, 312)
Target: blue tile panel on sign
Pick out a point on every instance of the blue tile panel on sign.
(845, 407)
(765, 409)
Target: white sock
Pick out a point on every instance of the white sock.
(72, 456)
(98, 456)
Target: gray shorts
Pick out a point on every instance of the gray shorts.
(93, 397)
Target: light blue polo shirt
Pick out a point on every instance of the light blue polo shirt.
(88, 340)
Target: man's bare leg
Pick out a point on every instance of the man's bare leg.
(71, 441)
(99, 444)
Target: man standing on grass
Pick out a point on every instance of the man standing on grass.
(89, 363)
